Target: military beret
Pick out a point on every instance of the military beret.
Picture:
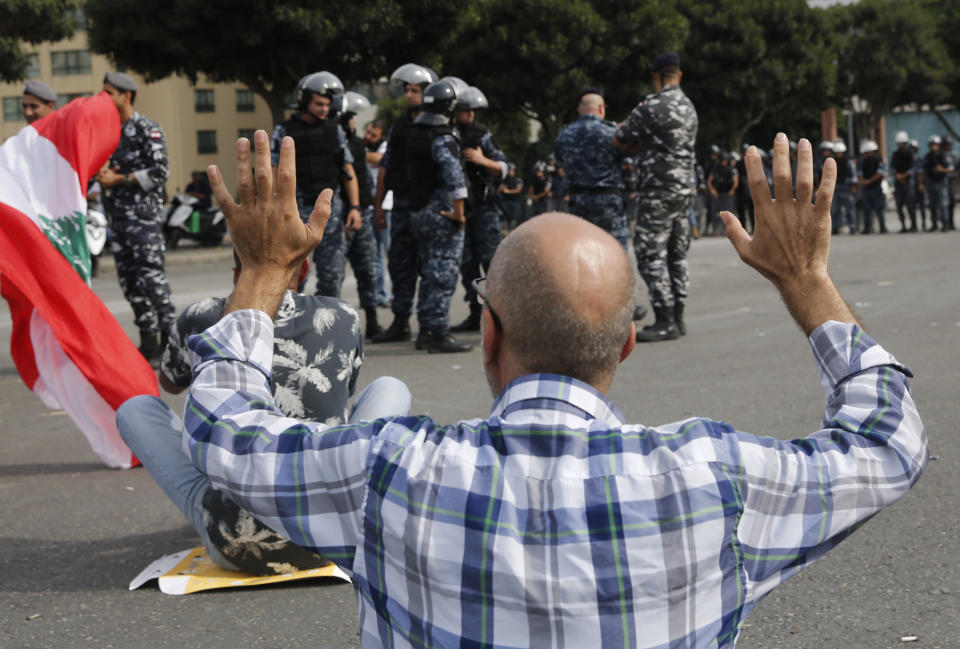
(120, 81)
(592, 90)
(664, 60)
(40, 90)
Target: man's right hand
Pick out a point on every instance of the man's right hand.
(791, 241)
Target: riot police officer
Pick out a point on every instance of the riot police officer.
(870, 175)
(485, 166)
(933, 182)
(428, 221)
(842, 210)
(360, 245)
(135, 177)
(902, 164)
(322, 160)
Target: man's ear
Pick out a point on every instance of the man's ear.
(630, 344)
(304, 271)
(491, 341)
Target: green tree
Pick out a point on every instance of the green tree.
(747, 60)
(533, 57)
(32, 21)
(268, 46)
(888, 53)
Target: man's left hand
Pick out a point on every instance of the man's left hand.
(111, 177)
(354, 221)
(265, 226)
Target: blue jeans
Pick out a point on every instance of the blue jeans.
(154, 434)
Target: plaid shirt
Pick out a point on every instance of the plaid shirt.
(552, 523)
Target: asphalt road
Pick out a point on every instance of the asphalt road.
(74, 533)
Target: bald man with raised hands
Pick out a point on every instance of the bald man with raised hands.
(552, 522)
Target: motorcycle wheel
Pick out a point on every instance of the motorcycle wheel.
(173, 239)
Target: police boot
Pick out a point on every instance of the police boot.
(678, 319)
(150, 344)
(472, 321)
(639, 313)
(373, 327)
(440, 342)
(664, 328)
(398, 330)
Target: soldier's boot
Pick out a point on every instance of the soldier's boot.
(150, 344)
(440, 342)
(639, 313)
(472, 321)
(373, 327)
(664, 328)
(678, 319)
(399, 330)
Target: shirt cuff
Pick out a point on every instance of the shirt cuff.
(458, 193)
(143, 179)
(843, 349)
(245, 336)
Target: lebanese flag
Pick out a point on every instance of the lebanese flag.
(67, 346)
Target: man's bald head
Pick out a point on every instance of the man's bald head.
(563, 289)
(591, 104)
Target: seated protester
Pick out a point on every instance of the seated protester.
(553, 521)
(317, 353)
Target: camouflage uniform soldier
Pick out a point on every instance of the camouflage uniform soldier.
(486, 165)
(135, 176)
(662, 131)
(585, 149)
(427, 231)
(322, 159)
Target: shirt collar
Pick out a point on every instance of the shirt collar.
(555, 392)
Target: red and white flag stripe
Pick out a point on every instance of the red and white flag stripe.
(67, 346)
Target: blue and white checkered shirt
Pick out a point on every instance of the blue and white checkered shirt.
(552, 523)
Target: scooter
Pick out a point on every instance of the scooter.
(185, 220)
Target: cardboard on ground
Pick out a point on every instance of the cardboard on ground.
(191, 571)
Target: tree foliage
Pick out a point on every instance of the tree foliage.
(535, 56)
(268, 46)
(31, 21)
(888, 53)
(745, 60)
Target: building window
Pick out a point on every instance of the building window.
(206, 141)
(203, 101)
(245, 132)
(64, 99)
(12, 112)
(33, 70)
(79, 17)
(244, 101)
(71, 62)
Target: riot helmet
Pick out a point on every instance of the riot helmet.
(440, 98)
(457, 82)
(414, 74)
(934, 139)
(322, 83)
(353, 102)
(902, 137)
(868, 146)
(839, 147)
(472, 98)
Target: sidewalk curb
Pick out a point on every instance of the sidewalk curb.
(182, 256)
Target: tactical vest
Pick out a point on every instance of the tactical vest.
(359, 153)
(472, 136)
(319, 157)
(421, 170)
(395, 177)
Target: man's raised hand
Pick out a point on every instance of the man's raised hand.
(790, 245)
(268, 235)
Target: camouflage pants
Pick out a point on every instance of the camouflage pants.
(138, 253)
(603, 210)
(661, 241)
(360, 248)
(425, 245)
(481, 238)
